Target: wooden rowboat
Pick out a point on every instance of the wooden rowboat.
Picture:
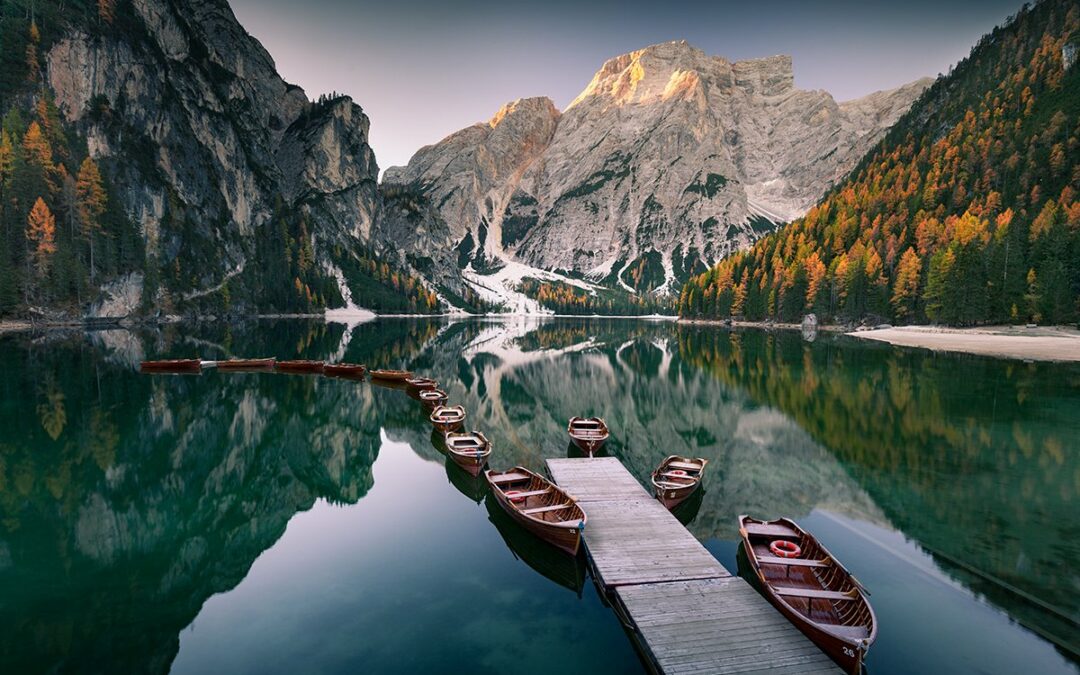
(172, 366)
(552, 563)
(391, 375)
(420, 383)
(588, 434)
(814, 591)
(677, 478)
(433, 397)
(448, 418)
(470, 451)
(299, 366)
(344, 370)
(245, 364)
(539, 506)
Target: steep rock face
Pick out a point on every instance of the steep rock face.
(668, 159)
(189, 115)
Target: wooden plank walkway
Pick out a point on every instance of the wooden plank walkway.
(687, 614)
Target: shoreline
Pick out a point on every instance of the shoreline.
(1042, 343)
(1037, 343)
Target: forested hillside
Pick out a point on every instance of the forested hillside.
(967, 212)
(61, 228)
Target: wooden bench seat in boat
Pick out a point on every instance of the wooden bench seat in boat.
(794, 562)
(531, 493)
(685, 465)
(671, 485)
(770, 530)
(814, 594)
(509, 478)
(545, 509)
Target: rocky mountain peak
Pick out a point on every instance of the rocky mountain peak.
(525, 108)
(669, 160)
(679, 70)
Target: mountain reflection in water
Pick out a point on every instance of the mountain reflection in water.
(126, 501)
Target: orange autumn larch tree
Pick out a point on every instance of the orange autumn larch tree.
(41, 233)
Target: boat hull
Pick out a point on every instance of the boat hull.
(588, 434)
(418, 384)
(540, 496)
(673, 491)
(847, 652)
(432, 401)
(672, 497)
(565, 538)
(343, 370)
(552, 563)
(175, 366)
(589, 447)
(246, 365)
(848, 657)
(391, 375)
(447, 426)
(472, 465)
(299, 366)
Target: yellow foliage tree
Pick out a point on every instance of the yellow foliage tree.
(41, 232)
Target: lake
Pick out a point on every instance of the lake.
(269, 523)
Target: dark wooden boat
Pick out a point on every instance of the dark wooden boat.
(469, 450)
(299, 366)
(172, 366)
(391, 375)
(566, 571)
(588, 433)
(677, 478)
(420, 383)
(539, 506)
(448, 418)
(433, 397)
(814, 591)
(344, 370)
(236, 365)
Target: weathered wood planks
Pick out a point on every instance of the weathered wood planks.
(687, 613)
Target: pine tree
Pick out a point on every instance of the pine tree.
(940, 305)
(90, 199)
(1033, 297)
(41, 233)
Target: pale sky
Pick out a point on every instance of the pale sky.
(422, 69)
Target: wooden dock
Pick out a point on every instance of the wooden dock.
(686, 613)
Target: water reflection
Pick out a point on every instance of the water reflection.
(564, 570)
(141, 497)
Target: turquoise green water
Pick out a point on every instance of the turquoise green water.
(275, 523)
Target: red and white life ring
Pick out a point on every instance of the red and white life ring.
(785, 549)
(514, 496)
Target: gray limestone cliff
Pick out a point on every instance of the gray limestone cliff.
(206, 141)
(670, 159)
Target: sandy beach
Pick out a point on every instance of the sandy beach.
(1010, 342)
